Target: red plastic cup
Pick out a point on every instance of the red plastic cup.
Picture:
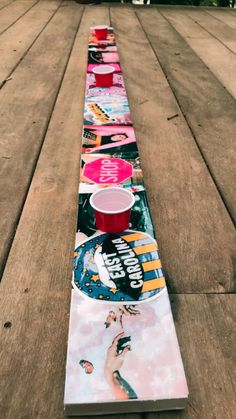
(101, 32)
(112, 208)
(104, 75)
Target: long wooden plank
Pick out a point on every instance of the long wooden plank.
(206, 329)
(220, 60)
(209, 109)
(9, 15)
(226, 16)
(33, 349)
(218, 29)
(188, 213)
(19, 38)
(26, 103)
(223, 312)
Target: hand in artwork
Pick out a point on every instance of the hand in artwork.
(127, 311)
(116, 354)
(114, 361)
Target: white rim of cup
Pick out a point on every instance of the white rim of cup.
(100, 27)
(111, 211)
(109, 68)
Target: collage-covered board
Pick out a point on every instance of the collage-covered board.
(123, 354)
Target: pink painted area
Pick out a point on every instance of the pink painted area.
(108, 170)
(109, 57)
(153, 367)
(104, 130)
(111, 131)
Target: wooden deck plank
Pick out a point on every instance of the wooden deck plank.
(209, 109)
(220, 30)
(220, 60)
(38, 301)
(27, 102)
(195, 233)
(9, 15)
(205, 327)
(29, 367)
(222, 309)
(19, 38)
(226, 16)
(35, 290)
(4, 3)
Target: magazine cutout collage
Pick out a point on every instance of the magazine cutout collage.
(123, 353)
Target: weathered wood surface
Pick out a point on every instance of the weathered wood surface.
(220, 60)
(9, 15)
(38, 301)
(26, 104)
(43, 110)
(4, 3)
(184, 201)
(220, 30)
(224, 16)
(18, 39)
(209, 109)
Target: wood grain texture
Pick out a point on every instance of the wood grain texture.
(31, 379)
(220, 30)
(33, 350)
(4, 3)
(10, 14)
(208, 108)
(16, 41)
(205, 328)
(27, 102)
(220, 60)
(195, 233)
(222, 308)
(226, 16)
